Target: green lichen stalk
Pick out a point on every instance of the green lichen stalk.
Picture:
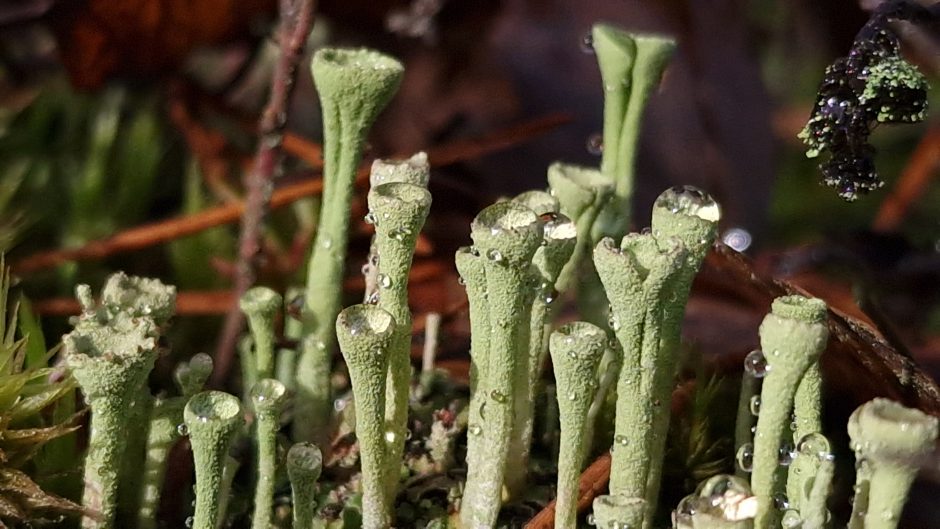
(807, 410)
(212, 419)
(354, 86)
(261, 305)
(581, 192)
(268, 397)
(792, 337)
(558, 244)
(891, 443)
(304, 465)
(631, 66)
(506, 235)
(690, 215)
(163, 432)
(616, 511)
(110, 352)
(398, 210)
(576, 350)
(637, 276)
(366, 334)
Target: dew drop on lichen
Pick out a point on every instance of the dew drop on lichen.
(182, 429)
(689, 200)
(384, 281)
(756, 364)
(587, 43)
(595, 144)
(754, 405)
(474, 429)
(494, 255)
(745, 457)
(498, 396)
(781, 503)
(785, 454)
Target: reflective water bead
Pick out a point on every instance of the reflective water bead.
(182, 429)
(474, 429)
(785, 454)
(755, 405)
(745, 457)
(384, 281)
(494, 255)
(498, 396)
(595, 144)
(587, 43)
(689, 200)
(756, 364)
(781, 502)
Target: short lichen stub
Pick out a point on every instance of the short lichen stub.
(873, 84)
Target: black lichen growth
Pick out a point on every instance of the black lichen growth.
(873, 84)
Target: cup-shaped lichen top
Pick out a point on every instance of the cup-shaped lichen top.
(212, 418)
(268, 396)
(690, 214)
(541, 202)
(578, 188)
(507, 232)
(261, 305)
(415, 170)
(560, 237)
(111, 359)
(399, 208)
(191, 376)
(140, 296)
(365, 80)
(884, 429)
(304, 465)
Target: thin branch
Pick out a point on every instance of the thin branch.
(296, 20)
(912, 184)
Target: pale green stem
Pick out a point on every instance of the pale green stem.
(110, 355)
(261, 305)
(581, 192)
(807, 408)
(354, 86)
(558, 243)
(304, 464)
(813, 510)
(212, 418)
(616, 511)
(507, 235)
(268, 397)
(229, 469)
(637, 277)
(893, 442)
(163, 432)
(745, 420)
(576, 350)
(792, 337)
(691, 216)
(366, 335)
(399, 210)
(631, 66)
(432, 328)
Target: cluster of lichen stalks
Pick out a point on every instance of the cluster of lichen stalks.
(526, 251)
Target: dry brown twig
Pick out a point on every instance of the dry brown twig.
(922, 166)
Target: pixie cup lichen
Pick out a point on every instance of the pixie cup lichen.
(268, 398)
(304, 465)
(212, 419)
(366, 334)
(576, 350)
(792, 337)
(398, 210)
(506, 235)
(354, 86)
(261, 305)
(891, 443)
(110, 358)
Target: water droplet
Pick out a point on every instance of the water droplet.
(814, 445)
(498, 396)
(745, 457)
(573, 355)
(572, 396)
(549, 295)
(590, 519)
(738, 239)
(791, 519)
(369, 218)
(756, 364)
(621, 440)
(689, 200)
(785, 454)
(887, 515)
(327, 243)
(384, 281)
(390, 436)
(400, 234)
(475, 429)
(494, 255)
(595, 144)
(688, 506)
(182, 429)
(755, 405)
(461, 281)
(587, 43)
(190, 521)
(781, 503)
(340, 404)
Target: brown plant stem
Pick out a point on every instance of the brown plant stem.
(296, 20)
